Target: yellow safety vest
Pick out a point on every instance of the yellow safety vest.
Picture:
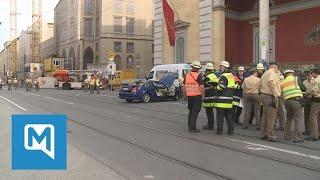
(92, 82)
(290, 88)
(225, 94)
(210, 91)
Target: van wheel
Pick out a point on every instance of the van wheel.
(146, 98)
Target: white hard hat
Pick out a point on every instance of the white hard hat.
(209, 66)
(260, 66)
(196, 65)
(288, 71)
(240, 68)
(225, 64)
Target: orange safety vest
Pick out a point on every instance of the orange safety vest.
(191, 84)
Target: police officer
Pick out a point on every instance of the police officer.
(280, 113)
(1, 84)
(97, 84)
(92, 84)
(37, 84)
(15, 84)
(252, 101)
(193, 89)
(293, 98)
(308, 101)
(210, 84)
(270, 88)
(238, 94)
(224, 104)
(28, 84)
(9, 84)
(315, 107)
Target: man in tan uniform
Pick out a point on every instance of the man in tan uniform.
(315, 107)
(308, 101)
(252, 99)
(270, 88)
(280, 113)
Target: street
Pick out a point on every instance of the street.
(109, 138)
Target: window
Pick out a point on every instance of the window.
(180, 50)
(130, 26)
(130, 47)
(117, 47)
(118, 6)
(130, 7)
(88, 6)
(118, 24)
(88, 26)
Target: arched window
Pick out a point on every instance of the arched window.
(117, 61)
(87, 57)
(88, 6)
(180, 50)
(130, 62)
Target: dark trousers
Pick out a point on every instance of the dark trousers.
(210, 116)
(227, 114)
(307, 109)
(194, 106)
(237, 113)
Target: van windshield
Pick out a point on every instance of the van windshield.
(150, 75)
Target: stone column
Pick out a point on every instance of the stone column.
(264, 26)
(218, 40)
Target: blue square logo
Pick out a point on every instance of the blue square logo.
(39, 142)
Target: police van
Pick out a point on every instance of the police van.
(160, 70)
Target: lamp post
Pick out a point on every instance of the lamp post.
(138, 66)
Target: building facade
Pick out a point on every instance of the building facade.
(230, 29)
(85, 32)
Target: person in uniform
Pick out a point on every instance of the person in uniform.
(193, 89)
(92, 84)
(15, 84)
(28, 84)
(224, 100)
(315, 107)
(210, 84)
(9, 84)
(238, 94)
(270, 88)
(293, 99)
(252, 101)
(37, 83)
(308, 101)
(1, 84)
(260, 69)
(97, 84)
(280, 113)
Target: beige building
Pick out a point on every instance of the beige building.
(2, 64)
(86, 31)
(9, 55)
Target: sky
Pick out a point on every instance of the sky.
(24, 19)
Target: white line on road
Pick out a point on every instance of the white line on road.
(23, 109)
(34, 94)
(58, 100)
(276, 149)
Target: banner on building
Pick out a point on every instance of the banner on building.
(169, 18)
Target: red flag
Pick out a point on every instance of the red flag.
(169, 17)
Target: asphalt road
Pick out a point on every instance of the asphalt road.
(118, 140)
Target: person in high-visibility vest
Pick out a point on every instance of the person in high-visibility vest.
(28, 84)
(97, 84)
(224, 104)
(9, 84)
(238, 94)
(210, 84)
(193, 89)
(92, 84)
(293, 101)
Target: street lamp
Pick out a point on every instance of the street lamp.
(138, 65)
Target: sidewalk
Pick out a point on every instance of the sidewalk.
(80, 165)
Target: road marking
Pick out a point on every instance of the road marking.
(149, 177)
(181, 104)
(58, 100)
(34, 94)
(276, 149)
(255, 148)
(23, 109)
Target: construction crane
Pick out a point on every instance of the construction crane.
(13, 19)
(36, 30)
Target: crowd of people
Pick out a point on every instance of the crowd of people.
(262, 95)
(15, 84)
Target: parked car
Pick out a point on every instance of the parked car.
(151, 90)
